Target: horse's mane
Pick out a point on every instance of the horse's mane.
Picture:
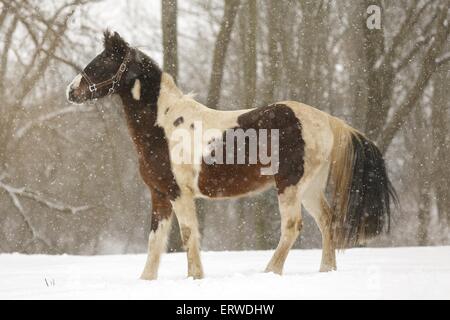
(145, 61)
(112, 41)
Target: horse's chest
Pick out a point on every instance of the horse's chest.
(155, 166)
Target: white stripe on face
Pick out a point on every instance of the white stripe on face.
(76, 82)
(136, 91)
(73, 85)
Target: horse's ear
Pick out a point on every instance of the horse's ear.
(113, 42)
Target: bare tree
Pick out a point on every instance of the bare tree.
(423, 176)
(220, 52)
(248, 22)
(441, 145)
(169, 17)
(274, 14)
(385, 63)
(33, 39)
(170, 35)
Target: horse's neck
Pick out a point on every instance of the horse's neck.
(149, 138)
(141, 117)
(141, 120)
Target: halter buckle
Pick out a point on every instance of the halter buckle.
(92, 88)
(123, 67)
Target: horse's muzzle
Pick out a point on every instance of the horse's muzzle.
(74, 92)
(72, 97)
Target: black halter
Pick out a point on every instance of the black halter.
(93, 87)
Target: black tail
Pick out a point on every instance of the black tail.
(363, 192)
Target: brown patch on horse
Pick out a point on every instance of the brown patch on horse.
(178, 121)
(295, 224)
(150, 140)
(291, 224)
(161, 209)
(185, 234)
(229, 180)
(223, 181)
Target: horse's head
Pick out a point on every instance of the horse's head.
(104, 74)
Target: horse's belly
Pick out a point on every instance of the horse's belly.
(224, 180)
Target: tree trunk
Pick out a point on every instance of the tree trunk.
(440, 129)
(308, 42)
(169, 35)
(424, 215)
(248, 20)
(273, 40)
(220, 52)
(377, 76)
(169, 14)
(423, 170)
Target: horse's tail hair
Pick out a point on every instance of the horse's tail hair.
(360, 188)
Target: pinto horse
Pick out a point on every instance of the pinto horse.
(315, 150)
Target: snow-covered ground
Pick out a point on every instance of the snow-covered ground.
(400, 273)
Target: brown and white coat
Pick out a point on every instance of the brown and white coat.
(314, 149)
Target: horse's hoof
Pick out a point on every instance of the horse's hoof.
(148, 277)
(275, 271)
(327, 269)
(196, 276)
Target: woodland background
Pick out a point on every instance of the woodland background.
(69, 181)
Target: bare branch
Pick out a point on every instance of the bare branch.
(220, 51)
(417, 47)
(34, 73)
(5, 53)
(399, 39)
(443, 59)
(12, 192)
(30, 78)
(2, 16)
(15, 193)
(20, 133)
(400, 36)
(422, 42)
(77, 68)
(428, 68)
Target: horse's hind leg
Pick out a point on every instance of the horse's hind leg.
(291, 224)
(318, 207)
(315, 202)
(328, 250)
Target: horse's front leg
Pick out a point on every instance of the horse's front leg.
(161, 222)
(184, 207)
